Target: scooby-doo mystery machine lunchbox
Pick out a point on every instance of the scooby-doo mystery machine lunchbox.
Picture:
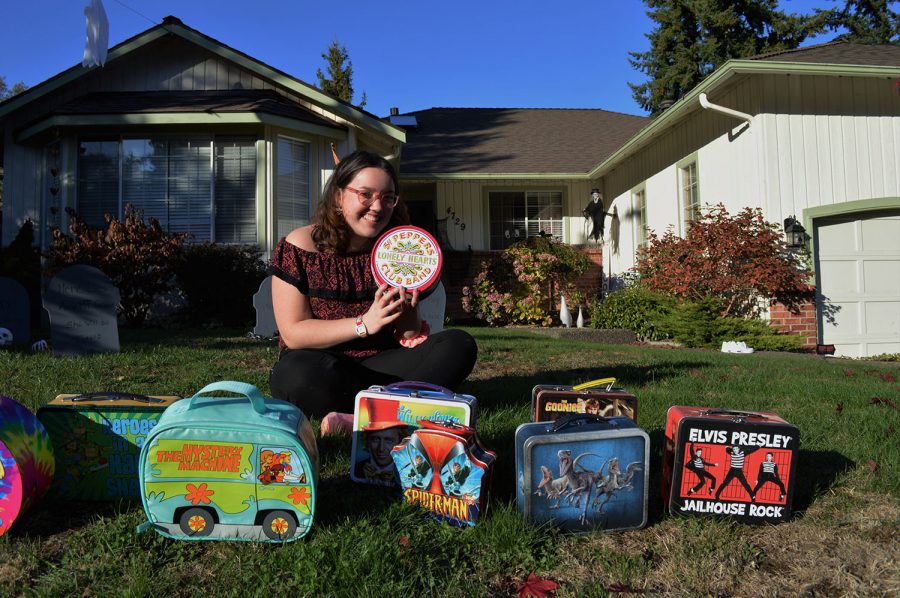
(231, 468)
(583, 472)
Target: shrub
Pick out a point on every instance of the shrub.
(634, 308)
(219, 282)
(518, 288)
(137, 256)
(737, 259)
(699, 324)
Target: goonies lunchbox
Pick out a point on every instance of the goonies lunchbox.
(445, 470)
(231, 468)
(740, 464)
(549, 402)
(583, 472)
(384, 415)
(26, 461)
(97, 438)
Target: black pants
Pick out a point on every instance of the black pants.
(768, 477)
(701, 475)
(319, 381)
(738, 474)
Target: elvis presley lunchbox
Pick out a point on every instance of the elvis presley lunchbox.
(583, 472)
(230, 467)
(719, 462)
(384, 415)
(445, 470)
(549, 402)
(97, 439)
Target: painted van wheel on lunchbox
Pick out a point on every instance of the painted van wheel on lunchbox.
(279, 525)
(197, 522)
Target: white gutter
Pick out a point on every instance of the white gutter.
(710, 106)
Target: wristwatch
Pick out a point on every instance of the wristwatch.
(361, 330)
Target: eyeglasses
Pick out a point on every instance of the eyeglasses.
(388, 198)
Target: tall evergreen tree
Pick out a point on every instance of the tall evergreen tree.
(8, 92)
(866, 21)
(694, 37)
(339, 79)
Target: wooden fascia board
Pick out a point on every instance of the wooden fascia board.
(465, 176)
(78, 71)
(174, 118)
(286, 81)
(690, 102)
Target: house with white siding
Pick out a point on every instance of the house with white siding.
(201, 136)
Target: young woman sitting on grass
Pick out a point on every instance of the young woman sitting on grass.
(339, 331)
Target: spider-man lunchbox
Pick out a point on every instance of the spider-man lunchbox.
(583, 472)
(739, 464)
(445, 470)
(549, 402)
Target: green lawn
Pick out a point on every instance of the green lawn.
(843, 538)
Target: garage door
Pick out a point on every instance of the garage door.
(858, 281)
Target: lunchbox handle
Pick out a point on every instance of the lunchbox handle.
(608, 382)
(113, 396)
(256, 397)
(414, 385)
(737, 416)
(577, 419)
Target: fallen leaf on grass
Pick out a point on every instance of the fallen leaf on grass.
(839, 409)
(849, 373)
(888, 402)
(537, 587)
(873, 465)
(890, 430)
(888, 377)
(403, 542)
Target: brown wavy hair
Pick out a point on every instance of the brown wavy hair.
(331, 233)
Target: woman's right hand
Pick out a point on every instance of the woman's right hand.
(387, 307)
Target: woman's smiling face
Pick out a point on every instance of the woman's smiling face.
(367, 222)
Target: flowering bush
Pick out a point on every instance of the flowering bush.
(518, 288)
(137, 256)
(737, 259)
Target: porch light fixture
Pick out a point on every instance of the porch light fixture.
(794, 233)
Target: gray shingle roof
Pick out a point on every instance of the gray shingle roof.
(839, 52)
(514, 140)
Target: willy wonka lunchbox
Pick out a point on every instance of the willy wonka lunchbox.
(230, 468)
(445, 470)
(740, 464)
(583, 472)
(97, 439)
(384, 415)
(549, 402)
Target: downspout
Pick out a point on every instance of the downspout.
(710, 106)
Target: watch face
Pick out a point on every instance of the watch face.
(408, 257)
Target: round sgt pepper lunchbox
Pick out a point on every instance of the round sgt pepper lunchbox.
(230, 468)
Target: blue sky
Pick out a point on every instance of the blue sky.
(410, 54)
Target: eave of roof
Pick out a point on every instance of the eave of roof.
(171, 26)
(690, 102)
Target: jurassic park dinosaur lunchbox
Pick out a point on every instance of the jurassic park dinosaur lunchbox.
(719, 462)
(26, 461)
(583, 472)
(226, 467)
(445, 470)
(384, 415)
(97, 438)
(549, 402)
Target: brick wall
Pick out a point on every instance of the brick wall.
(799, 319)
(461, 268)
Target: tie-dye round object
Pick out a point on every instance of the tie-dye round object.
(408, 257)
(26, 461)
